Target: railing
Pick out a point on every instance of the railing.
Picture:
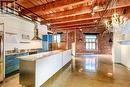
(11, 7)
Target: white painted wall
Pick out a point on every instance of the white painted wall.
(121, 52)
(20, 26)
(125, 52)
(116, 48)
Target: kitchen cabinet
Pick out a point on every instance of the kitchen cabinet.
(36, 69)
(12, 63)
(46, 40)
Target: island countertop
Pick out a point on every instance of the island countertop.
(37, 56)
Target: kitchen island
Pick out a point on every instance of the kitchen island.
(38, 68)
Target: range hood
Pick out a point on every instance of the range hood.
(36, 35)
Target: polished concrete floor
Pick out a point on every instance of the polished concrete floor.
(84, 71)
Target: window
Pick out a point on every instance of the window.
(91, 42)
(57, 38)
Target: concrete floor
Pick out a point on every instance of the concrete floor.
(84, 71)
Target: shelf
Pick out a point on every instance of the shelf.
(24, 42)
(10, 33)
(124, 42)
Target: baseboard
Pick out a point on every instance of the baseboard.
(122, 65)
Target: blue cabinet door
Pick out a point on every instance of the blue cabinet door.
(12, 63)
(50, 38)
(46, 39)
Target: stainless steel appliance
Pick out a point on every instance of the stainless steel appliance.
(1, 55)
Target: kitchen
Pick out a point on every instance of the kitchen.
(21, 39)
(64, 43)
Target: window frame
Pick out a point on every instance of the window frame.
(90, 42)
(56, 35)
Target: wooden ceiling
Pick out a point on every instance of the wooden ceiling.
(73, 14)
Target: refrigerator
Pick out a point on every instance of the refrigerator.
(1, 56)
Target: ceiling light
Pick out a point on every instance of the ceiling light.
(106, 21)
(96, 7)
(80, 29)
(95, 21)
(92, 13)
(38, 19)
(125, 19)
(121, 17)
(48, 24)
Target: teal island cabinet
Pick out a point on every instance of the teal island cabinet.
(12, 63)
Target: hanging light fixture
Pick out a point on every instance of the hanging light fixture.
(115, 18)
(36, 36)
(116, 24)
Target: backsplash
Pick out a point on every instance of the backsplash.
(16, 50)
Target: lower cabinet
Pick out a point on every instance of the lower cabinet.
(12, 63)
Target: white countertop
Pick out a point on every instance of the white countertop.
(34, 57)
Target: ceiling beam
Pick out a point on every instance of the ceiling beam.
(87, 16)
(76, 11)
(90, 28)
(76, 18)
(82, 10)
(75, 25)
(58, 4)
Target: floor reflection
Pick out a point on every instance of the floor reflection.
(90, 63)
(85, 71)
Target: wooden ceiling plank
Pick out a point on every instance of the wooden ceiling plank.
(25, 4)
(84, 16)
(33, 2)
(78, 20)
(77, 11)
(59, 4)
(73, 23)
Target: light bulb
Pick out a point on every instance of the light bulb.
(38, 19)
(92, 13)
(121, 17)
(124, 19)
(106, 21)
(48, 24)
(95, 8)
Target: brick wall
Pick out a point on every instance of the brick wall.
(104, 47)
